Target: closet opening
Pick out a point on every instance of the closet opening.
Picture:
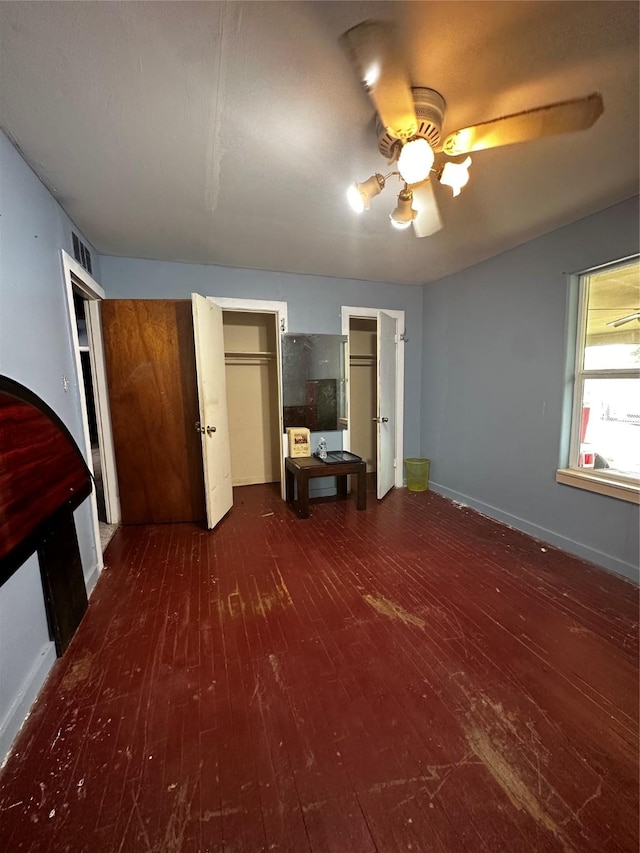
(363, 358)
(250, 343)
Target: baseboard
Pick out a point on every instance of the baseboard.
(19, 710)
(92, 578)
(257, 480)
(592, 555)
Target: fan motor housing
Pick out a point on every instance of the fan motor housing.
(430, 107)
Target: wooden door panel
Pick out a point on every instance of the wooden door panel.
(150, 359)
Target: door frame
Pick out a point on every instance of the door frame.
(349, 312)
(280, 310)
(76, 278)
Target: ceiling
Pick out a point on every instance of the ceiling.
(227, 132)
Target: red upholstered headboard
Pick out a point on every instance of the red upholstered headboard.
(43, 478)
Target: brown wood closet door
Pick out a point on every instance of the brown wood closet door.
(151, 373)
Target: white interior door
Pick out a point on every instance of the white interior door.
(212, 401)
(396, 359)
(386, 403)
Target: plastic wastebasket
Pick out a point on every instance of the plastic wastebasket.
(417, 474)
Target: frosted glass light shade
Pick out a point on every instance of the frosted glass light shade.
(354, 197)
(359, 195)
(415, 161)
(456, 175)
(404, 214)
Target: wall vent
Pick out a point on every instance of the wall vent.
(81, 253)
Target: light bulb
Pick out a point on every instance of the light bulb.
(359, 195)
(404, 214)
(372, 75)
(455, 175)
(415, 161)
(355, 198)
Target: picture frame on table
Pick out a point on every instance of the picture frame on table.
(299, 441)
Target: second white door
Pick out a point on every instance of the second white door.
(212, 401)
(386, 403)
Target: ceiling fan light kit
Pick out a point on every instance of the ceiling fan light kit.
(359, 195)
(415, 160)
(410, 123)
(404, 214)
(455, 175)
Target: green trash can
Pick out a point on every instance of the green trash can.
(417, 471)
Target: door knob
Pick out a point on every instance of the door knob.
(210, 430)
(199, 427)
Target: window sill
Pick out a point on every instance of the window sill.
(600, 483)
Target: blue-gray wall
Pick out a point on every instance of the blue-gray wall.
(314, 305)
(483, 381)
(493, 380)
(35, 349)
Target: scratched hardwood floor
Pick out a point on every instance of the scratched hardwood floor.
(413, 677)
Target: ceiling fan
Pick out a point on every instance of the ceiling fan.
(409, 126)
(623, 320)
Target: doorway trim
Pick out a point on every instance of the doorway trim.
(349, 312)
(76, 278)
(280, 309)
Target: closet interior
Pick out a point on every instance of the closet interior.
(250, 344)
(363, 388)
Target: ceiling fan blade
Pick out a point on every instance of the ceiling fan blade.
(372, 50)
(563, 117)
(628, 319)
(428, 220)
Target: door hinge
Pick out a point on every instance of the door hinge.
(395, 463)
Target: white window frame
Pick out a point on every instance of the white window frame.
(601, 481)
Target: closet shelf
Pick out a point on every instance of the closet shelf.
(248, 357)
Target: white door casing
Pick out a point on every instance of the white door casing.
(398, 407)
(386, 398)
(212, 403)
(279, 309)
(76, 278)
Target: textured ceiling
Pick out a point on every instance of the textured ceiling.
(226, 133)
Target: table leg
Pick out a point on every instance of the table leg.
(303, 495)
(342, 485)
(361, 478)
(289, 491)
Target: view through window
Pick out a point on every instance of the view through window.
(606, 430)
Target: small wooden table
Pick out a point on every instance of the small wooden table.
(302, 469)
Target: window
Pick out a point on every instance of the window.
(604, 452)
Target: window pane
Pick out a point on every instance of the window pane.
(613, 312)
(612, 357)
(610, 427)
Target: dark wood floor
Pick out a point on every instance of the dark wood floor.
(413, 677)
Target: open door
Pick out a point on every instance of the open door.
(212, 402)
(389, 392)
(386, 403)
